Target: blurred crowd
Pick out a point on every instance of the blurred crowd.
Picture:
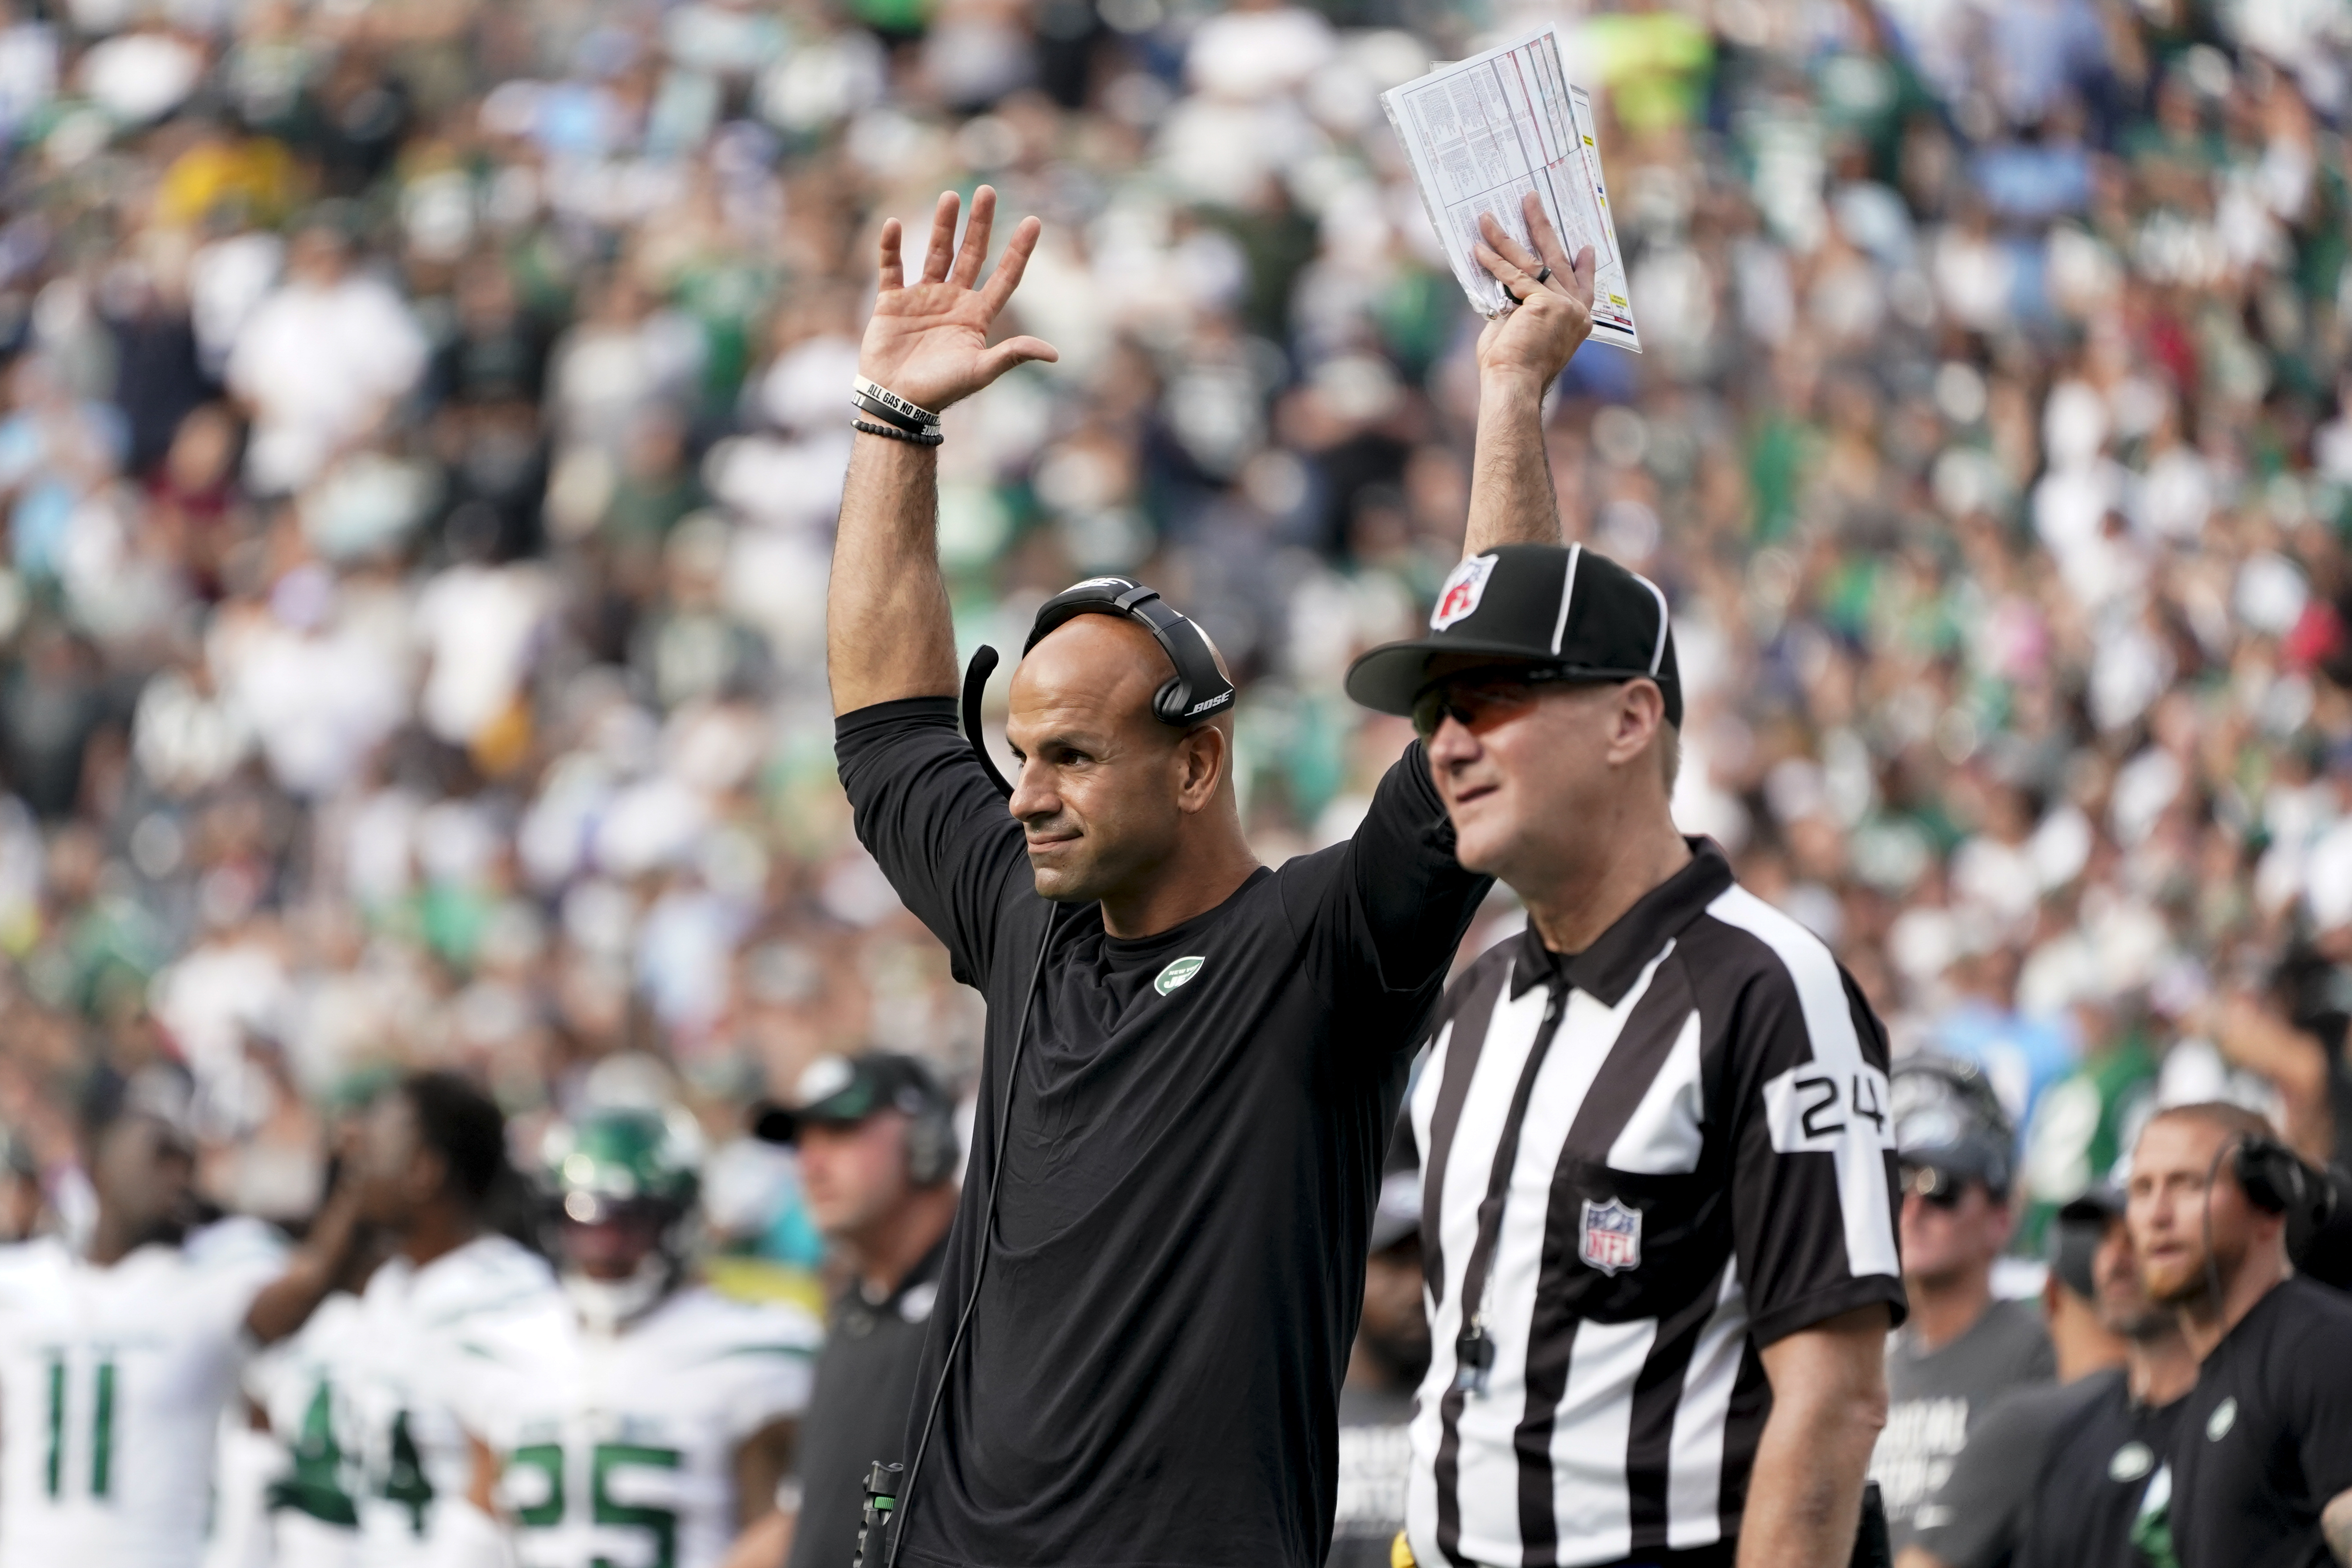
(422, 422)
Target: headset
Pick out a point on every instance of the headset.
(930, 1136)
(1198, 692)
(2275, 1180)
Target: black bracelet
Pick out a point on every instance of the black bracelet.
(920, 438)
(862, 402)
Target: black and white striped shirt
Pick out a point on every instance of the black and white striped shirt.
(1704, 1165)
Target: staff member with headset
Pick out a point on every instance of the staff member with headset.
(1192, 1062)
(2260, 1460)
(1658, 1211)
(877, 1155)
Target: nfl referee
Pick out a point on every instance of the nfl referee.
(1192, 1064)
(1660, 1186)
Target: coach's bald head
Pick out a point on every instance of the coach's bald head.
(1116, 804)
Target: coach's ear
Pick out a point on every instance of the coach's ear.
(1203, 756)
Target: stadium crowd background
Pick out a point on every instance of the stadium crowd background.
(423, 421)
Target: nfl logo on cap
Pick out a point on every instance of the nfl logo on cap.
(1465, 586)
(1612, 1236)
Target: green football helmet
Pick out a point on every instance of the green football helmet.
(617, 1160)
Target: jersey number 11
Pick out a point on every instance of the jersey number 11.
(101, 1424)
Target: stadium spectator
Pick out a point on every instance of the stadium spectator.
(2089, 1500)
(2260, 1467)
(878, 1161)
(2056, 1475)
(1963, 1350)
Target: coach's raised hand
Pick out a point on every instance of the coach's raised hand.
(928, 339)
(888, 631)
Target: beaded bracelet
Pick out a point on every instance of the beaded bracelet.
(919, 437)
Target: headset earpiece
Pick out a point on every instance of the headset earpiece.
(931, 1146)
(2270, 1176)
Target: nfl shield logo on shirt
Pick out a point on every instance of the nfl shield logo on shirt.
(1465, 586)
(1612, 1236)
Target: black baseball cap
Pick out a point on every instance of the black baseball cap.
(2079, 1226)
(1950, 1121)
(1563, 608)
(841, 1091)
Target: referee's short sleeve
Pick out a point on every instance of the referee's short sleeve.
(1814, 1190)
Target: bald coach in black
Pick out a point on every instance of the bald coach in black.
(1166, 1281)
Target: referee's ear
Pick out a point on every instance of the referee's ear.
(1637, 723)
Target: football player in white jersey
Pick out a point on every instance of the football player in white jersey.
(647, 1422)
(117, 1361)
(431, 1157)
(302, 1392)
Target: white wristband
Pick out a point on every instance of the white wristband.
(891, 400)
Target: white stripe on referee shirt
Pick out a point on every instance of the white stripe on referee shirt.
(1591, 1507)
(1860, 1150)
(1667, 1131)
(1479, 1128)
(1694, 1465)
(1487, 1425)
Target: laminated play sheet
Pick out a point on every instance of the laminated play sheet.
(1481, 133)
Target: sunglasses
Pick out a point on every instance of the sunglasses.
(1480, 702)
(1940, 1188)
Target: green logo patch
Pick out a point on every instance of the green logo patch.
(1178, 972)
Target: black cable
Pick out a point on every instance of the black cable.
(987, 1234)
(2212, 1174)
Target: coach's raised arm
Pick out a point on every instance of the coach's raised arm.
(1192, 1063)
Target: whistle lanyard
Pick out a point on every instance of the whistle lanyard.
(1474, 1348)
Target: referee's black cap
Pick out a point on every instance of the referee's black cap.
(1565, 608)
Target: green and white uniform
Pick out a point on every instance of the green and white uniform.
(112, 1383)
(390, 1379)
(618, 1449)
(305, 1387)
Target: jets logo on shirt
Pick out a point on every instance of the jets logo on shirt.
(1465, 586)
(1178, 972)
(1612, 1240)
